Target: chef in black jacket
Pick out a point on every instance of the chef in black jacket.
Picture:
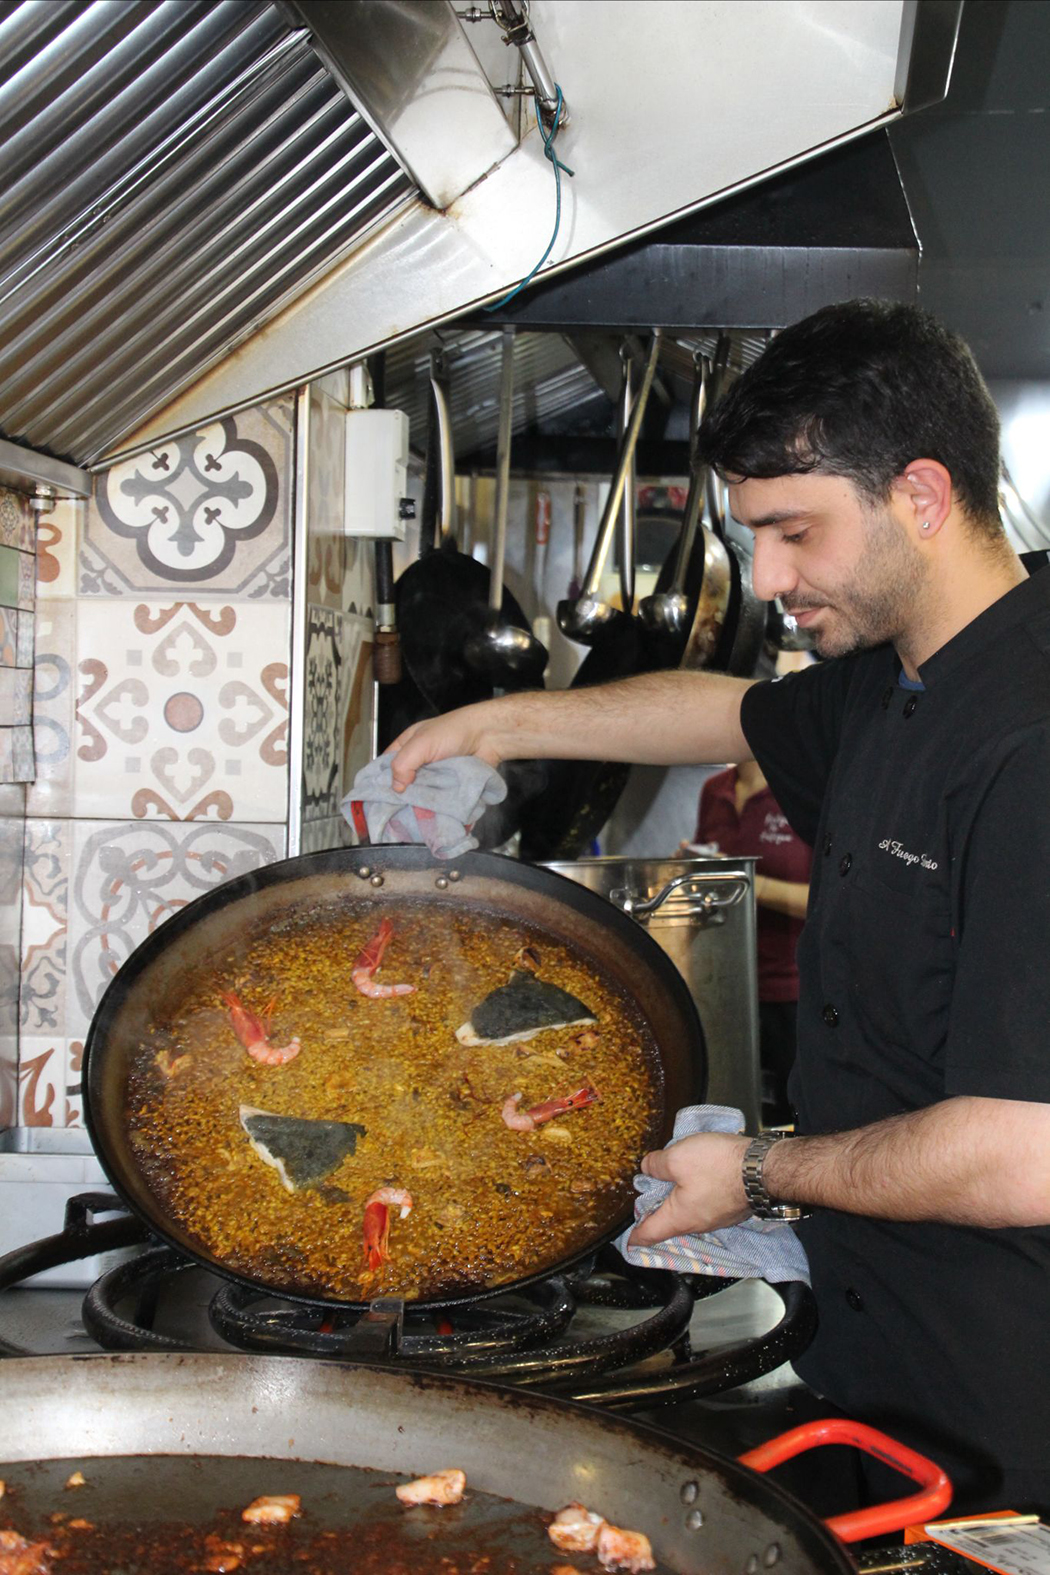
(862, 450)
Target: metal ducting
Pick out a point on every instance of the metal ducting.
(173, 175)
(762, 258)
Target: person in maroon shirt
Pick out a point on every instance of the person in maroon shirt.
(738, 815)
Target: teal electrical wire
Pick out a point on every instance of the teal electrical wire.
(548, 152)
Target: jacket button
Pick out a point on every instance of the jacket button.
(910, 704)
(854, 1299)
(830, 1015)
(827, 846)
(845, 863)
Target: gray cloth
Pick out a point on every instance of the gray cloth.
(439, 807)
(756, 1250)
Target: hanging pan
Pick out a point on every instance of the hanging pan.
(442, 602)
(563, 819)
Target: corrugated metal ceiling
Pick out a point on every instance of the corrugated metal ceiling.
(173, 174)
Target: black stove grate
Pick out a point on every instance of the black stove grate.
(534, 1337)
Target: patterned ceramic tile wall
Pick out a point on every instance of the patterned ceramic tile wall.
(17, 597)
(161, 711)
(337, 731)
(94, 891)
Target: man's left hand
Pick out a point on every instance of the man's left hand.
(706, 1172)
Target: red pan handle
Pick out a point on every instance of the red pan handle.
(935, 1494)
(360, 824)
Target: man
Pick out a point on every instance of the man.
(862, 451)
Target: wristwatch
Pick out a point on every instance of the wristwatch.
(762, 1205)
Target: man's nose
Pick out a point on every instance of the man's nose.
(771, 569)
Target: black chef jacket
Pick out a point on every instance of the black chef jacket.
(925, 973)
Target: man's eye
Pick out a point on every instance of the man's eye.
(796, 537)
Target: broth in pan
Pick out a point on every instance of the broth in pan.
(343, 1143)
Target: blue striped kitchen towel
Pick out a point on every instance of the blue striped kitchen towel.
(755, 1250)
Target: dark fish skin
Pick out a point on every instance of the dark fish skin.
(302, 1152)
(521, 1008)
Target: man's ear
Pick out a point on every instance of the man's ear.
(923, 494)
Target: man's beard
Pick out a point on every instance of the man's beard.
(874, 605)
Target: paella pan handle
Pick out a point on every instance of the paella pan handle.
(935, 1488)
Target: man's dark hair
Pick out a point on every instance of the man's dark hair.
(859, 390)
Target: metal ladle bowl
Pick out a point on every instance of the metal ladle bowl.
(503, 651)
(589, 617)
(670, 613)
(507, 656)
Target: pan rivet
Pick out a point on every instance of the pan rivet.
(365, 871)
(441, 882)
(694, 1520)
(690, 1492)
(453, 875)
(751, 1567)
(771, 1555)
(377, 880)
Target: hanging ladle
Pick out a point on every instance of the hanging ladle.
(669, 613)
(587, 617)
(507, 656)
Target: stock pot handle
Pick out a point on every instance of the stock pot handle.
(712, 891)
(935, 1488)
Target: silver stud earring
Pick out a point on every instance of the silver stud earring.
(925, 524)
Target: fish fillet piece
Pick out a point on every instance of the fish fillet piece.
(575, 1529)
(302, 1152)
(521, 1008)
(444, 1487)
(272, 1509)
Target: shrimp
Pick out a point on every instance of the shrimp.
(575, 1529)
(253, 1032)
(624, 1550)
(274, 1509)
(368, 962)
(528, 1120)
(376, 1231)
(444, 1487)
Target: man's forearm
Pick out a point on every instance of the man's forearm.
(669, 718)
(963, 1161)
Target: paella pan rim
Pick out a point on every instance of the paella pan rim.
(103, 1112)
(163, 1404)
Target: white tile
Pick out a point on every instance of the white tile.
(41, 1082)
(129, 876)
(54, 708)
(58, 532)
(45, 918)
(157, 689)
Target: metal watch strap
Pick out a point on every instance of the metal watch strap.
(762, 1205)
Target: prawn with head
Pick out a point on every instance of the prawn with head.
(254, 1033)
(852, 571)
(376, 1229)
(368, 963)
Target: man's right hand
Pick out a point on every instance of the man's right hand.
(467, 731)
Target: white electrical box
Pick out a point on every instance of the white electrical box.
(376, 474)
